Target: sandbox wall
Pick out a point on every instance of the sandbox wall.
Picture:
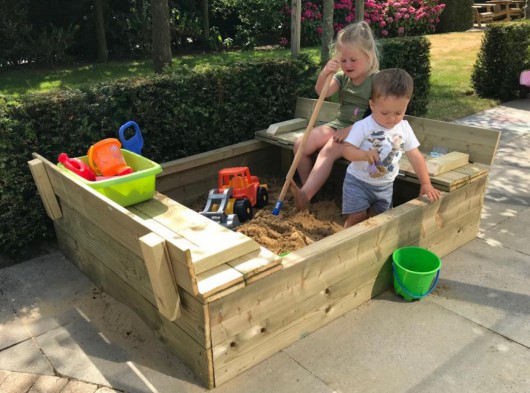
(219, 300)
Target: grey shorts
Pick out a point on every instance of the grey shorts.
(358, 196)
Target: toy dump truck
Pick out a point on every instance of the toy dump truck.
(234, 200)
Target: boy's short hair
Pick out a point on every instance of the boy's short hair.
(392, 82)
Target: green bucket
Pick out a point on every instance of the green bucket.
(416, 272)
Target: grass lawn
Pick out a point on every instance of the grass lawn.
(452, 59)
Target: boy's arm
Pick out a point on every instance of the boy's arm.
(353, 153)
(420, 168)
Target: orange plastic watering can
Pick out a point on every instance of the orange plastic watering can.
(105, 157)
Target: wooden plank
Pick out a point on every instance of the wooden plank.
(178, 341)
(474, 171)
(263, 274)
(304, 109)
(131, 269)
(104, 213)
(53, 210)
(285, 140)
(190, 179)
(214, 244)
(212, 156)
(233, 357)
(218, 279)
(161, 275)
(287, 126)
(480, 143)
(447, 162)
(255, 262)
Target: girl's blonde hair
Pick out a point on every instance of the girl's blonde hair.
(359, 34)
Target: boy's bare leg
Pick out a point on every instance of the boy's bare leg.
(321, 170)
(318, 137)
(355, 218)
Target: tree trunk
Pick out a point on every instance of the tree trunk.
(327, 31)
(161, 35)
(296, 16)
(101, 38)
(359, 10)
(526, 9)
(205, 25)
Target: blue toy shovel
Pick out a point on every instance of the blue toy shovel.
(136, 142)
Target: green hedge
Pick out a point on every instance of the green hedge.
(179, 114)
(456, 16)
(411, 54)
(503, 55)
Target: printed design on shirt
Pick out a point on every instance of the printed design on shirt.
(388, 146)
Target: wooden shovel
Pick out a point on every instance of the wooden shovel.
(298, 155)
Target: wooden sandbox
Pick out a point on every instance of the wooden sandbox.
(218, 299)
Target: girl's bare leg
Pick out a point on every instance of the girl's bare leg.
(318, 137)
(322, 168)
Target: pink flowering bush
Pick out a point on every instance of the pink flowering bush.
(388, 18)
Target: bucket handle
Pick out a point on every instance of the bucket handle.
(411, 294)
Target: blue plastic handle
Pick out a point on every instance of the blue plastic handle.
(136, 142)
(411, 294)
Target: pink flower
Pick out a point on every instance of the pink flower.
(384, 33)
(401, 30)
(319, 30)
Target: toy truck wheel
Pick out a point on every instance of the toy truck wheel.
(262, 197)
(243, 209)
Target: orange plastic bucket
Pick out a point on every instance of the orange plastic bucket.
(105, 157)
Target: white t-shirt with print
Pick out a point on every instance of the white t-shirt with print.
(391, 143)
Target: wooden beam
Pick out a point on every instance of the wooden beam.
(161, 275)
(286, 126)
(38, 171)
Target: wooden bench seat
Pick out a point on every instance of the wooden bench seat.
(284, 134)
(482, 16)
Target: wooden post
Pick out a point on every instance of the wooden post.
(296, 17)
(38, 171)
(161, 275)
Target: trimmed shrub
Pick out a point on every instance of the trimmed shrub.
(179, 114)
(457, 16)
(411, 54)
(503, 55)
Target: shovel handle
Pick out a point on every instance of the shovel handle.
(298, 155)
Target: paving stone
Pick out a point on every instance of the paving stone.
(18, 382)
(107, 390)
(3, 375)
(79, 387)
(25, 357)
(49, 384)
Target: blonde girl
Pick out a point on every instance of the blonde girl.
(355, 54)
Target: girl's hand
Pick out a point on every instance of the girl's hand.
(341, 134)
(332, 66)
(432, 193)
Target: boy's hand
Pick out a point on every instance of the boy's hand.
(372, 156)
(432, 193)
